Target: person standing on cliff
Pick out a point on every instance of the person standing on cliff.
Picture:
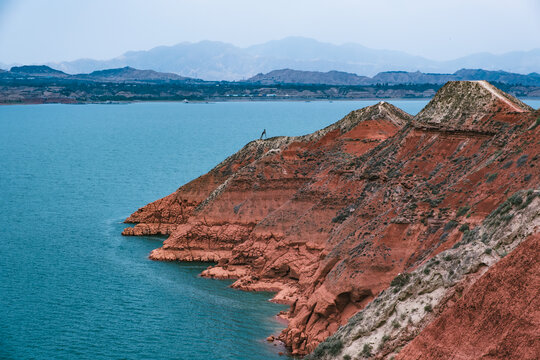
(263, 134)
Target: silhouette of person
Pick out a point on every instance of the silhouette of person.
(263, 134)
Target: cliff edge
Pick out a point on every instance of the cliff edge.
(330, 220)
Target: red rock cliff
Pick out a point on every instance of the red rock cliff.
(327, 220)
(497, 318)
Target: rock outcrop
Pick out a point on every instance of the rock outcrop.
(497, 317)
(328, 220)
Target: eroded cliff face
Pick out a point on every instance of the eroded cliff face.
(329, 219)
(498, 317)
(477, 314)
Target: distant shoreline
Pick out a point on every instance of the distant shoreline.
(236, 100)
(208, 101)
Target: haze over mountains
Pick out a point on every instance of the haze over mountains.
(211, 60)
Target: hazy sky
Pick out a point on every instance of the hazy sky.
(37, 31)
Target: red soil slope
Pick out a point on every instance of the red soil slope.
(327, 220)
(497, 318)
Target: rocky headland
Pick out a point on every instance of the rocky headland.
(388, 235)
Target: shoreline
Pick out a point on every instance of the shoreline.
(127, 102)
(212, 101)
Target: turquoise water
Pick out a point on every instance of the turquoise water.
(70, 285)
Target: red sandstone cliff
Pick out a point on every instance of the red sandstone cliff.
(327, 220)
(498, 317)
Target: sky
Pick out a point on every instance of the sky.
(38, 31)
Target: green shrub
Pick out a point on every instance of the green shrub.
(536, 124)
(462, 211)
(366, 350)
(516, 199)
(400, 280)
(450, 225)
(491, 177)
(332, 346)
(428, 308)
(464, 227)
(522, 160)
(335, 346)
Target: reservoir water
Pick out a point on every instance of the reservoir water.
(71, 287)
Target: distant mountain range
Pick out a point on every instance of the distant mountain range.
(210, 60)
(275, 77)
(125, 74)
(38, 84)
(288, 76)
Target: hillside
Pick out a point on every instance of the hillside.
(130, 74)
(370, 227)
(288, 76)
(36, 70)
(124, 74)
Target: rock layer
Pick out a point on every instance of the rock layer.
(327, 220)
(497, 318)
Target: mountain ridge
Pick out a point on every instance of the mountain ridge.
(123, 74)
(213, 60)
(289, 76)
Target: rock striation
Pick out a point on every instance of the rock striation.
(330, 220)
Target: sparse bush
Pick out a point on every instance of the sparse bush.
(506, 218)
(347, 357)
(450, 225)
(463, 210)
(384, 339)
(428, 308)
(487, 251)
(522, 160)
(536, 124)
(464, 227)
(448, 257)
(334, 346)
(400, 280)
(491, 177)
(516, 199)
(530, 196)
(366, 350)
(339, 218)
(331, 346)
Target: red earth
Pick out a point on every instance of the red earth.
(327, 220)
(498, 317)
